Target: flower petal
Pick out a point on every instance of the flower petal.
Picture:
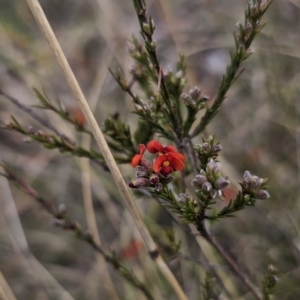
(176, 163)
(166, 170)
(136, 160)
(142, 148)
(178, 156)
(169, 148)
(159, 162)
(155, 146)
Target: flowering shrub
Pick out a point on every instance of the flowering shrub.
(183, 177)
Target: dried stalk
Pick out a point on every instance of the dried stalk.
(5, 291)
(45, 27)
(87, 191)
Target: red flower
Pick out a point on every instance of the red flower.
(136, 160)
(155, 146)
(132, 250)
(168, 159)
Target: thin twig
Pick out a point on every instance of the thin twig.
(33, 114)
(45, 27)
(233, 266)
(192, 155)
(140, 8)
(51, 141)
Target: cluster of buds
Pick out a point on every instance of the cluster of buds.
(207, 150)
(245, 34)
(146, 178)
(256, 8)
(254, 187)
(194, 99)
(158, 174)
(211, 182)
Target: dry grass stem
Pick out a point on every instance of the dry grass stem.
(5, 291)
(86, 186)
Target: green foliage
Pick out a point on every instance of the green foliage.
(184, 207)
(143, 133)
(51, 141)
(120, 135)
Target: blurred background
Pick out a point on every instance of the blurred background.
(258, 127)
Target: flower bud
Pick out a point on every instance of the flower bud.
(154, 178)
(195, 93)
(248, 30)
(199, 180)
(40, 133)
(254, 183)
(141, 174)
(217, 148)
(221, 183)
(183, 197)
(139, 182)
(30, 129)
(62, 209)
(249, 52)
(217, 171)
(206, 147)
(141, 168)
(146, 164)
(206, 187)
(147, 28)
(262, 5)
(241, 49)
(247, 175)
(253, 11)
(210, 166)
(262, 195)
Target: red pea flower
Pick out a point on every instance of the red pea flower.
(137, 159)
(155, 146)
(168, 159)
